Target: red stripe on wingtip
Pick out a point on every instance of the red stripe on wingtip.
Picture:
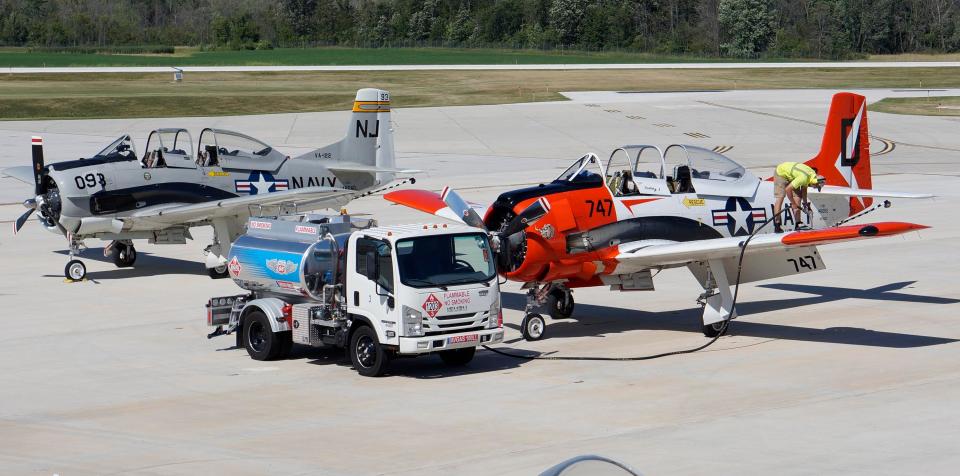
(850, 232)
(423, 200)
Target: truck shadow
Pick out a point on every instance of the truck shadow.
(424, 367)
(147, 265)
(598, 321)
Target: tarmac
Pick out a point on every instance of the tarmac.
(850, 370)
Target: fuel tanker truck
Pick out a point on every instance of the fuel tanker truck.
(381, 292)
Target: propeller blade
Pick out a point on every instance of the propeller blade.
(461, 208)
(37, 143)
(17, 225)
(527, 217)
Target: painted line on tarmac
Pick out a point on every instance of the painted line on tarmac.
(889, 144)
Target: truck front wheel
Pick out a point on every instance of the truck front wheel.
(258, 337)
(458, 357)
(367, 355)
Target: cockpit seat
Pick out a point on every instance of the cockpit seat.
(684, 180)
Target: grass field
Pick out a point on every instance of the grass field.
(931, 106)
(47, 96)
(10, 57)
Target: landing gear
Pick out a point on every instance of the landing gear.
(533, 327)
(713, 330)
(122, 253)
(75, 270)
(218, 272)
(717, 300)
(560, 302)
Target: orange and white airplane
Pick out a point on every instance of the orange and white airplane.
(617, 222)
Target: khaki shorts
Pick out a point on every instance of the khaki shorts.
(780, 186)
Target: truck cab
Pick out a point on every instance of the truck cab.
(380, 292)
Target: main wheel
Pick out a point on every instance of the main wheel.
(558, 306)
(219, 272)
(533, 327)
(123, 255)
(258, 337)
(458, 357)
(75, 270)
(367, 355)
(715, 329)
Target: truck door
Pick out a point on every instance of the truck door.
(371, 291)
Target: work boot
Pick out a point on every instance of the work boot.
(777, 228)
(802, 227)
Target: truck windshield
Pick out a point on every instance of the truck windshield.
(445, 260)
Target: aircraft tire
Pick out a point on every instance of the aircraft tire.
(75, 270)
(219, 272)
(556, 307)
(533, 327)
(458, 357)
(712, 330)
(123, 255)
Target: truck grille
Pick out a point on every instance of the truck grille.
(455, 323)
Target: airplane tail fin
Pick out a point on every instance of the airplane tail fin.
(844, 157)
(366, 154)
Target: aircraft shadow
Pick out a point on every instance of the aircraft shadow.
(598, 320)
(147, 265)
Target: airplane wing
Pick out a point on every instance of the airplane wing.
(651, 253)
(308, 198)
(23, 173)
(858, 192)
(430, 202)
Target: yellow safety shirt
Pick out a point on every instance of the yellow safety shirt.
(800, 175)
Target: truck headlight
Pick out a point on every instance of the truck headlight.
(496, 314)
(412, 322)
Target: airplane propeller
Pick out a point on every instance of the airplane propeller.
(525, 218)
(461, 208)
(38, 167)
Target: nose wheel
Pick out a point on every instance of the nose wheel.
(75, 270)
(533, 327)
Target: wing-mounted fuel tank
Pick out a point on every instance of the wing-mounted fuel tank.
(293, 256)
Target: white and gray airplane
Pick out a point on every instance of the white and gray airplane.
(119, 197)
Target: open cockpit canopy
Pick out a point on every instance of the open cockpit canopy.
(648, 170)
(172, 147)
(230, 149)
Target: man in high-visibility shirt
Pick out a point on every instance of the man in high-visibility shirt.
(792, 180)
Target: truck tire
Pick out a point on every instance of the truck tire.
(367, 355)
(219, 272)
(458, 357)
(258, 337)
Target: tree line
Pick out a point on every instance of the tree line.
(834, 29)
